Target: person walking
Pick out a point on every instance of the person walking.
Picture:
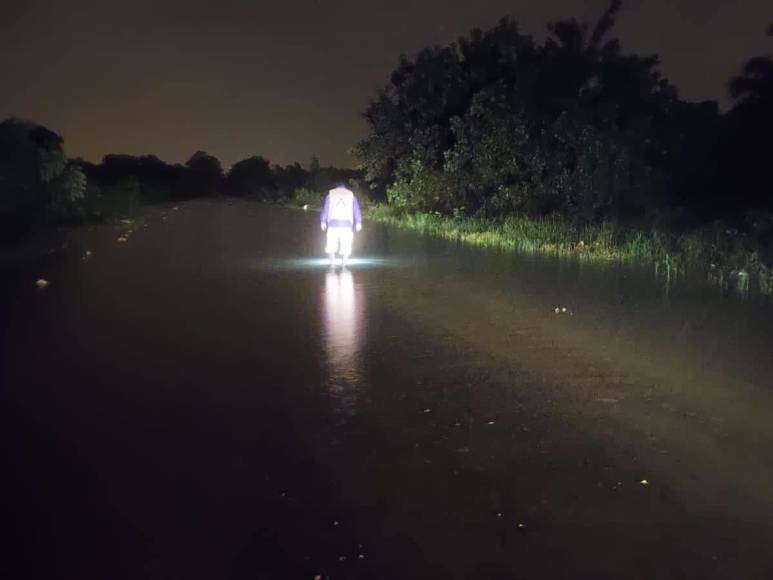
(340, 213)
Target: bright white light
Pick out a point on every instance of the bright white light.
(320, 263)
(339, 241)
(343, 324)
(340, 316)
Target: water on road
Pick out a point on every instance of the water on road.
(209, 400)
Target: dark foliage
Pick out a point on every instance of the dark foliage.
(747, 150)
(203, 176)
(251, 176)
(498, 124)
(288, 179)
(39, 186)
(35, 177)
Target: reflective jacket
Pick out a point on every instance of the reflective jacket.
(341, 209)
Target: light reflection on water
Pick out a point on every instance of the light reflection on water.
(344, 326)
(321, 263)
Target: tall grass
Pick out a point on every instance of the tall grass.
(725, 259)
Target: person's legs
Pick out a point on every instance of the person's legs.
(332, 244)
(346, 243)
(346, 246)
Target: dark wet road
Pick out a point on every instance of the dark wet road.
(207, 400)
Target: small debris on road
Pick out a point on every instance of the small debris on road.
(121, 239)
(427, 410)
(42, 283)
(607, 400)
(463, 450)
(644, 482)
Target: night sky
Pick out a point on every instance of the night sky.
(291, 78)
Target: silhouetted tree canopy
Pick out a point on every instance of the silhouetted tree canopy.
(251, 176)
(497, 123)
(156, 180)
(289, 178)
(39, 185)
(747, 150)
(35, 176)
(203, 176)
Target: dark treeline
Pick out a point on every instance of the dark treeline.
(498, 124)
(493, 125)
(39, 186)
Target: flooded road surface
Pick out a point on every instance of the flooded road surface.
(208, 400)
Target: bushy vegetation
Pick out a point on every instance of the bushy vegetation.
(36, 179)
(501, 139)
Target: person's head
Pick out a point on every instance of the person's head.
(341, 185)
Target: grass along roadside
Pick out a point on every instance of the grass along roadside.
(726, 258)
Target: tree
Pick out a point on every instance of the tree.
(314, 164)
(32, 162)
(754, 86)
(289, 178)
(203, 176)
(156, 180)
(747, 158)
(314, 171)
(498, 123)
(251, 176)
(68, 192)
